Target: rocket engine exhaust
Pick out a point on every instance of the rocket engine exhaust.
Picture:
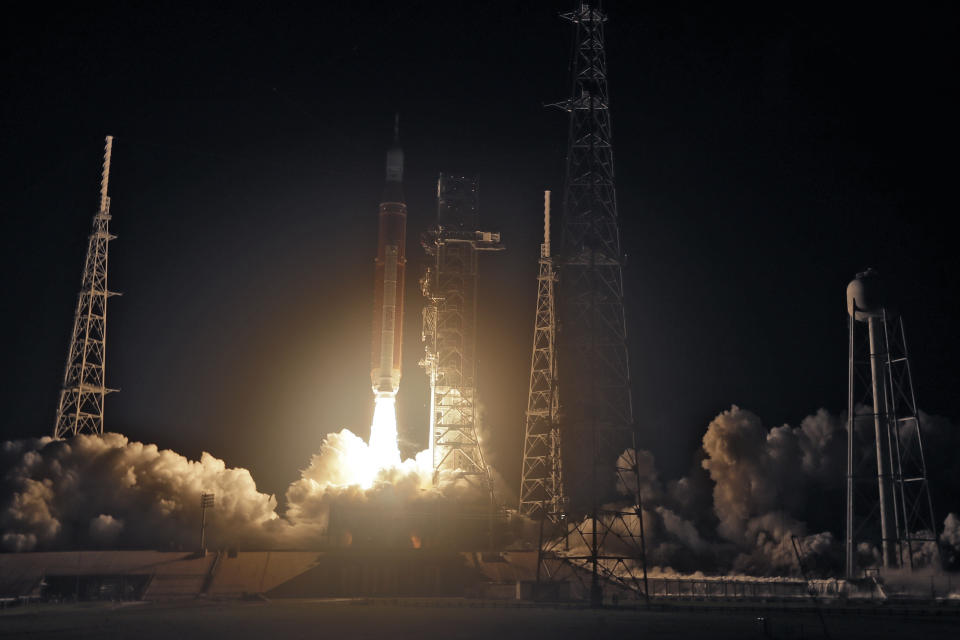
(389, 279)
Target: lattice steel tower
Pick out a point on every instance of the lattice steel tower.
(541, 483)
(597, 423)
(888, 496)
(450, 329)
(80, 409)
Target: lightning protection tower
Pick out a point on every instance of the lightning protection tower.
(80, 409)
(541, 483)
(450, 329)
(888, 496)
(600, 545)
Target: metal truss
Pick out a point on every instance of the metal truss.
(608, 549)
(450, 331)
(541, 483)
(80, 409)
(597, 423)
(888, 495)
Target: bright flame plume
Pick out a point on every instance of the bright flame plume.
(384, 451)
(349, 461)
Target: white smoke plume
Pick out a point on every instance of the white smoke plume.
(736, 512)
(756, 471)
(95, 491)
(761, 477)
(107, 492)
(754, 480)
(740, 510)
(950, 540)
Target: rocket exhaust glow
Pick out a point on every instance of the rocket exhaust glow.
(388, 283)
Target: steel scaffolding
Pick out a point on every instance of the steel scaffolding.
(450, 330)
(541, 483)
(80, 409)
(600, 465)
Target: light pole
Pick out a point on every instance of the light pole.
(206, 502)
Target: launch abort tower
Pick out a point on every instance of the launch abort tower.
(450, 328)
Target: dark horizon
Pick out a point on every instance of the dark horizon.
(764, 157)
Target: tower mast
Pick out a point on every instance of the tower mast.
(449, 285)
(541, 484)
(598, 425)
(80, 409)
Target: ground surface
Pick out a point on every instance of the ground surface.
(447, 619)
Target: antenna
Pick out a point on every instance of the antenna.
(546, 224)
(105, 177)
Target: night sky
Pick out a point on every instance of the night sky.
(764, 156)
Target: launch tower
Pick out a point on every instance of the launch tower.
(888, 497)
(541, 483)
(597, 424)
(80, 409)
(454, 244)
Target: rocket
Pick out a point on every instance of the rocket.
(390, 265)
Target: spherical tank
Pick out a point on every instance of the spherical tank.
(865, 295)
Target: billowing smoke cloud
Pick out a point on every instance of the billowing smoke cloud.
(762, 477)
(750, 492)
(107, 492)
(734, 513)
(756, 471)
(98, 491)
(755, 490)
(331, 480)
(950, 541)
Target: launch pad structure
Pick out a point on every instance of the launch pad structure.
(541, 480)
(590, 540)
(449, 285)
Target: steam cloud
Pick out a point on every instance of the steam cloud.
(750, 494)
(107, 492)
(97, 491)
(735, 511)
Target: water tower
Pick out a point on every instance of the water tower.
(888, 497)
